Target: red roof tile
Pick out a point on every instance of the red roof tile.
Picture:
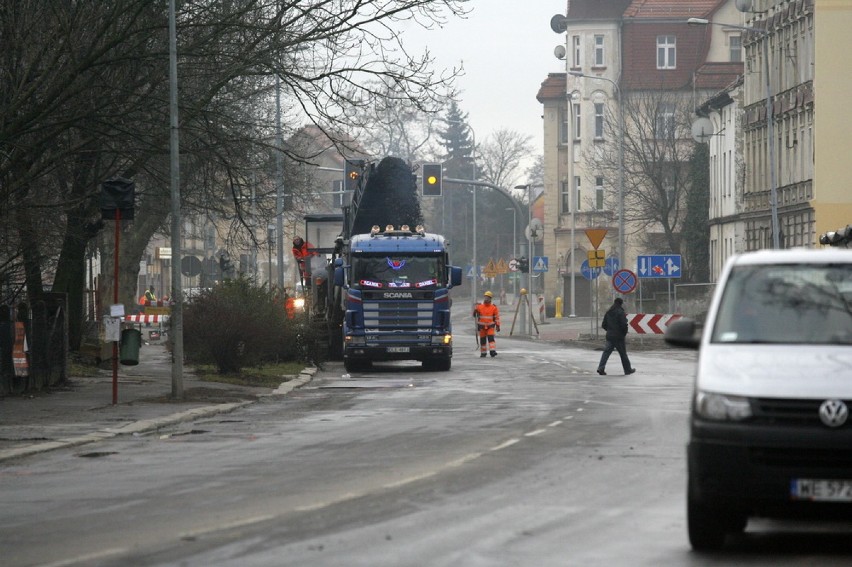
(553, 87)
(717, 75)
(597, 9)
(671, 9)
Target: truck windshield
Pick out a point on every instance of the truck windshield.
(790, 304)
(386, 271)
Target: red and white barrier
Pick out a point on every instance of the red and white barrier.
(650, 323)
(142, 318)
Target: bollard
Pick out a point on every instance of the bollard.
(558, 307)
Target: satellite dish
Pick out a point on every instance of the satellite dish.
(744, 5)
(535, 230)
(559, 51)
(702, 130)
(559, 23)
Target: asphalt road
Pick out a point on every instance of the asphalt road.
(526, 459)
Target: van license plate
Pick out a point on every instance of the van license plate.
(398, 349)
(821, 490)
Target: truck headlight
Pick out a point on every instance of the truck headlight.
(442, 339)
(720, 407)
(299, 303)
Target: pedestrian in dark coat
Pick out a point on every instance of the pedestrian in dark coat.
(615, 324)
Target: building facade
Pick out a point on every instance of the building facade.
(634, 63)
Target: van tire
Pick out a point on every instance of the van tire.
(707, 526)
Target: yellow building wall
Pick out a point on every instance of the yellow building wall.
(833, 115)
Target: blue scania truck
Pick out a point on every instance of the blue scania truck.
(386, 294)
(395, 292)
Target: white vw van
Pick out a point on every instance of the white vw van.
(770, 430)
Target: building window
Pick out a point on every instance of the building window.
(599, 120)
(666, 52)
(577, 191)
(599, 193)
(575, 51)
(577, 117)
(735, 43)
(565, 197)
(665, 122)
(337, 190)
(599, 51)
(564, 126)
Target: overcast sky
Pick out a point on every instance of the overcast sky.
(506, 47)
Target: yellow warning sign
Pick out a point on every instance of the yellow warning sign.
(502, 267)
(595, 236)
(490, 269)
(597, 258)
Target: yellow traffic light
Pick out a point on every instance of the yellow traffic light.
(432, 176)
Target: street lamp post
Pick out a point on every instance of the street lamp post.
(529, 235)
(621, 257)
(770, 122)
(514, 245)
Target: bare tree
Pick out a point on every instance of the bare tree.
(85, 97)
(501, 155)
(400, 128)
(657, 153)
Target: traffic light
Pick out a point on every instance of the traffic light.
(353, 171)
(524, 264)
(225, 265)
(433, 179)
(840, 237)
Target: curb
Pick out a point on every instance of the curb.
(145, 425)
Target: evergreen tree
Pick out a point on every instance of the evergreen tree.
(696, 230)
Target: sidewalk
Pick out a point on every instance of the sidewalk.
(82, 411)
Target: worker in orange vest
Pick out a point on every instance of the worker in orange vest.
(289, 305)
(302, 253)
(487, 316)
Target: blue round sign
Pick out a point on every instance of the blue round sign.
(611, 266)
(588, 272)
(624, 281)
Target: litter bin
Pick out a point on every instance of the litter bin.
(131, 341)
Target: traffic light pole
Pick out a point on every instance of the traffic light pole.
(518, 210)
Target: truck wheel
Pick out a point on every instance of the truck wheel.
(439, 365)
(356, 365)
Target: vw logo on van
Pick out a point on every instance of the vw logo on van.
(833, 413)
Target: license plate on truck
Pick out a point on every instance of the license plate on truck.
(398, 349)
(821, 490)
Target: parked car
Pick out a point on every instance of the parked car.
(770, 432)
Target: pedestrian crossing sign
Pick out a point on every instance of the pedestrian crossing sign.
(540, 264)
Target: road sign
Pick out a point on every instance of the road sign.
(490, 269)
(470, 271)
(624, 281)
(513, 265)
(651, 323)
(540, 264)
(659, 266)
(595, 236)
(535, 230)
(502, 267)
(588, 272)
(190, 266)
(597, 258)
(612, 265)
